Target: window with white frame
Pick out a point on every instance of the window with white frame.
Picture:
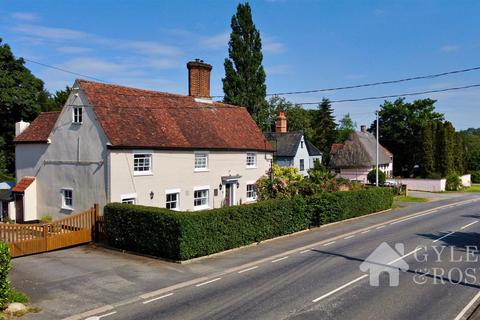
(302, 164)
(142, 163)
(200, 199)
(251, 194)
(67, 199)
(201, 161)
(172, 201)
(128, 200)
(251, 160)
(77, 116)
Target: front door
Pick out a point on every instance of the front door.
(229, 194)
(19, 208)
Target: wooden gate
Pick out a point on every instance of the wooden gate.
(24, 239)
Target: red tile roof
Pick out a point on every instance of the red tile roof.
(134, 118)
(39, 130)
(23, 184)
(336, 147)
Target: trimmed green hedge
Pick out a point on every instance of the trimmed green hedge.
(185, 235)
(5, 268)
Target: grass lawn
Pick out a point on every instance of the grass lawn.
(409, 199)
(473, 188)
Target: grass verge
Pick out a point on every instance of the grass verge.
(409, 199)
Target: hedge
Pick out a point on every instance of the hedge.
(185, 235)
(5, 268)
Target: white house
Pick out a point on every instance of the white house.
(292, 149)
(356, 157)
(111, 143)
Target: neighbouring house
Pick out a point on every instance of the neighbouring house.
(356, 157)
(292, 149)
(112, 143)
(7, 208)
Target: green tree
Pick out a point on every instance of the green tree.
(21, 96)
(56, 101)
(372, 177)
(345, 128)
(427, 165)
(325, 133)
(298, 118)
(401, 126)
(244, 82)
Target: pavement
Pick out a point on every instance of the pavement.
(309, 275)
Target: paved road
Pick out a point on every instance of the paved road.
(324, 281)
(273, 280)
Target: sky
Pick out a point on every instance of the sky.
(306, 45)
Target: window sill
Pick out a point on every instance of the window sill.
(145, 173)
(201, 170)
(251, 200)
(198, 208)
(251, 167)
(67, 208)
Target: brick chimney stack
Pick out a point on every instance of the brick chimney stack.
(199, 79)
(281, 124)
(363, 128)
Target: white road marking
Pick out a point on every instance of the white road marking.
(327, 244)
(305, 251)
(246, 270)
(448, 234)
(467, 307)
(340, 288)
(366, 231)
(380, 227)
(158, 298)
(349, 237)
(405, 255)
(102, 316)
(468, 225)
(280, 259)
(207, 282)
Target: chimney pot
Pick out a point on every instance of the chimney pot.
(20, 127)
(363, 128)
(281, 124)
(199, 79)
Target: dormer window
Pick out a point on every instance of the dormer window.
(77, 116)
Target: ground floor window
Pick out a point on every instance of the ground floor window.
(200, 199)
(172, 201)
(251, 194)
(128, 200)
(302, 164)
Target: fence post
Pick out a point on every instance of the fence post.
(45, 236)
(96, 210)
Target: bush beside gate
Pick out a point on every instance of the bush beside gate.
(185, 235)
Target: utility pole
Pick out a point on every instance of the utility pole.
(376, 169)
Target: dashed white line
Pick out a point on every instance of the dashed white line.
(340, 288)
(327, 244)
(405, 255)
(366, 231)
(102, 316)
(248, 269)
(467, 307)
(448, 234)
(305, 251)
(349, 237)
(380, 227)
(158, 298)
(207, 282)
(468, 225)
(280, 259)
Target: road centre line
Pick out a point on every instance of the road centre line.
(102, 316)
(366, 231)
(349, 237)
(468, 225)
(207, 282)
(404, 256)
(248, 269)
(305, 251)
(329, 243)
(467, 307)
(448, 234)
(279, 259)
(340, 288)
(380, 227)
(158, 298)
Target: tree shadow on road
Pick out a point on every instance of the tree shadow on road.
(459, 240)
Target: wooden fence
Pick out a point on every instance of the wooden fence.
(24, 239)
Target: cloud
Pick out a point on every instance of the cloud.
(270, 45)
(449, 48)
(25, 16)
(278, 69)
(216, 41)
(74, 50)
(47, 33)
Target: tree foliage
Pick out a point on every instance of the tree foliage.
(345, 128)
(325, 129)
(244, 82)
(401, 127)
(372, 177)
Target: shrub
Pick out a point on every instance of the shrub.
(454, 182)
(371, 177)
(185, 235)
(5, 268)
(475, 176)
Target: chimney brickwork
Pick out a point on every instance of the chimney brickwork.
(199, 79)
(281, 124)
